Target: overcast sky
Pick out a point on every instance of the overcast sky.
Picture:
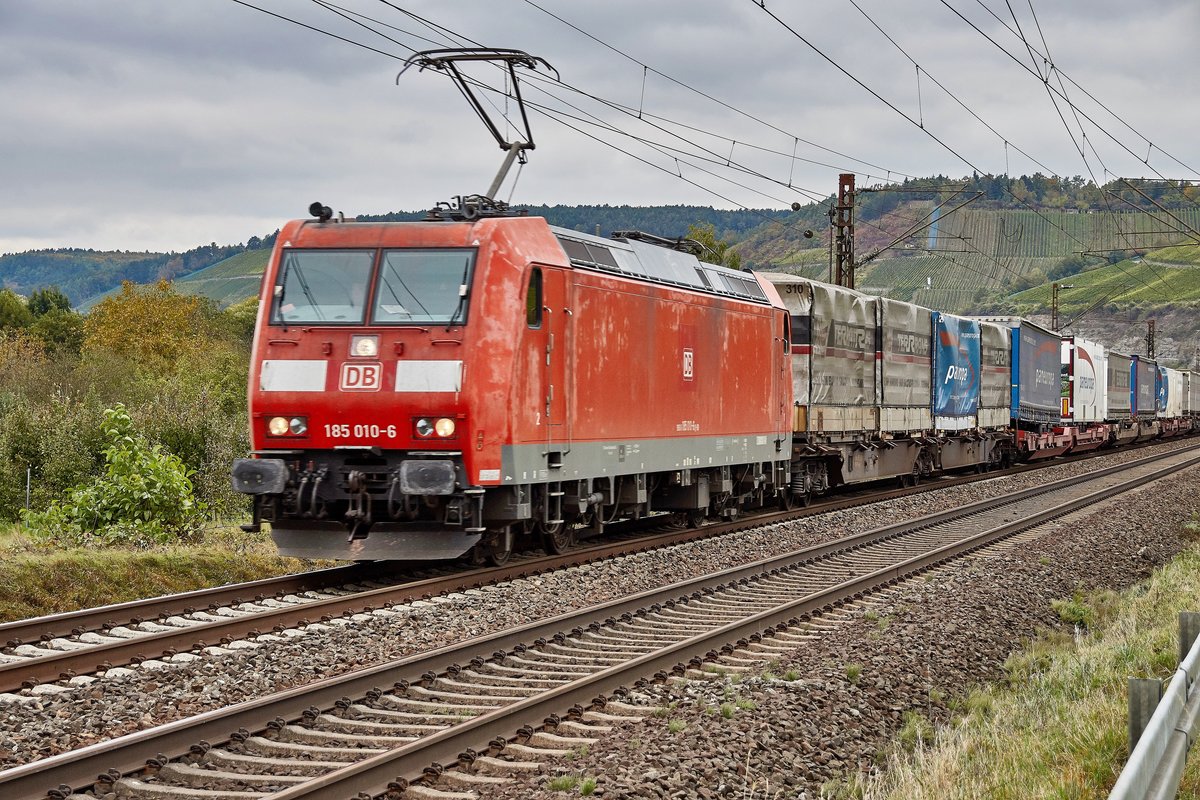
(164, 124)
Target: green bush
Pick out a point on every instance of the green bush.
(56, 438)
(52, 399)
(144, 496)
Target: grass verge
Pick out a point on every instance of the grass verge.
(1057, 727)
(36, 581)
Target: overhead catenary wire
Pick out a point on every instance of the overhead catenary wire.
(761, 4)
(1088, 94)
(1007, 142)
(347, 40)
(647, 69)
(1038, 75)
(1004, 139)
(319, 30)
(680, 158)
(640, 112)
(1083, 143)
(967, 108)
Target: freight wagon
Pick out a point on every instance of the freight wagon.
(1085, 393)
(1035, 404)
(882, 389)
(1172, 391)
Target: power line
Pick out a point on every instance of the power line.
(1042, 79)
(1051, 68)
(762, 5)
(346, 15)
(679, 157)
(938, 83)
(1089, 95)
(981, 120)
(984, 123)
(452, 35)
(318, 30)
(647, 68)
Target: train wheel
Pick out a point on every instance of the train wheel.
(495, 549)
(784, 499)
(501, 550)
(557, 538)
(696, 517)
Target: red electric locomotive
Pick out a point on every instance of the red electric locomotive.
(419, 389)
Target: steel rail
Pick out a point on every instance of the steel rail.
(129, 754)
(71, 622)
(375, 775)
(65, 664)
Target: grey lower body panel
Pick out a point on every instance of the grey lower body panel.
(394, 541)
(860, 466)
(535, 463)
(964, 453)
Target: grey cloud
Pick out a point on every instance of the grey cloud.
(206, 119)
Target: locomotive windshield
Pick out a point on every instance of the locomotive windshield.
(423, 286)
(413, 286)
(323, 286)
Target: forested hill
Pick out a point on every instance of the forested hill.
(83, 274)
(762, 241)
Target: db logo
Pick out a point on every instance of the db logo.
(361, 377)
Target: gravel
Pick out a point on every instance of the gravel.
(930, 641)
(71, 715)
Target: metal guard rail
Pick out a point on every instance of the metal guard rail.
(1156, 762)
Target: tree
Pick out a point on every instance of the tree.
(717, 251)
(153, 326)
(51, 298)
(13, 311)
(61, 330)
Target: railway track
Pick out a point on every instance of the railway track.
(496, 703)
(74, 645)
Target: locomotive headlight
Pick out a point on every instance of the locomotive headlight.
(287, 426)
(444, 427)
(364, 345)
(424, 427)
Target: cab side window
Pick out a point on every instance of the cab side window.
(533, 299)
